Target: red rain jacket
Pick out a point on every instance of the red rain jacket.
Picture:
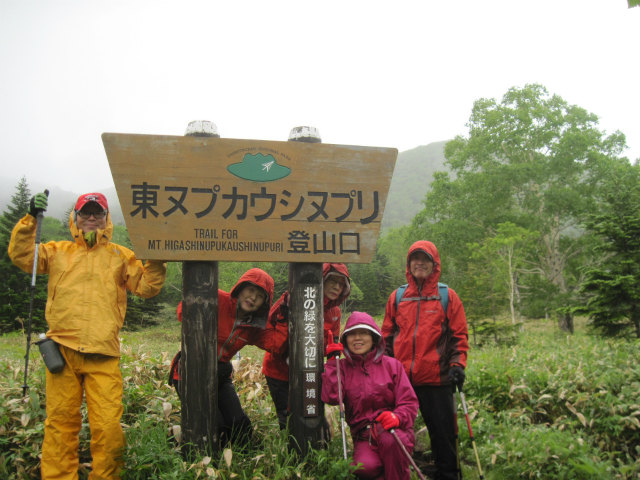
(235, 333)
(275, 366)
(419, 334)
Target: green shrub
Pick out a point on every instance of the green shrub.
(546, 406)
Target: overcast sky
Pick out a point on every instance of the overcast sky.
(393, 74)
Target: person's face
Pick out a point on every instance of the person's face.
(333, 286)
(91, 217)
(420, 265)
(251, 298)
(360, 341)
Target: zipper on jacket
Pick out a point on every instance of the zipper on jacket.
(415, 331)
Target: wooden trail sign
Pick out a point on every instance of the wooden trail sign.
(204, 198)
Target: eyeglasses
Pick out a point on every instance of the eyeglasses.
(335, 282)
(96, 215)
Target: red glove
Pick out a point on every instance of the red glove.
(334, 349)
(388, 420)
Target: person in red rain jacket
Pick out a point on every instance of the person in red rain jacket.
(336, 287)
(242, 320)
(377, 397)
(432, 345)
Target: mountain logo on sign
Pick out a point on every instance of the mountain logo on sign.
(259, 168)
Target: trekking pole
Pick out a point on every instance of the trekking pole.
(341, 404)
(473, 442)
(407, 454)
(457, 433)
(39, 218)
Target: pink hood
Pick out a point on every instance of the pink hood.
(363, 320)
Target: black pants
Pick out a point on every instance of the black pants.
(436, 407)
(235, 426)
(279, 390)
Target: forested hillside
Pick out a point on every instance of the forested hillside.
(60, 200)
(536, 215)
(410, 182)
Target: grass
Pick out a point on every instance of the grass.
(545, 405)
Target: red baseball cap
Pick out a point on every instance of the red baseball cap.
(98, 198)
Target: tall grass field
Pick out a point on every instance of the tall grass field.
(541, 405)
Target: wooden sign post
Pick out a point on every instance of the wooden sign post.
(199, 343)
(306, 356)
(206, 199)
(306, 341)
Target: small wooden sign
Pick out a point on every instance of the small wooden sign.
(204, 198)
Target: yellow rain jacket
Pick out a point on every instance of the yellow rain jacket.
(86, 305)
(87, 297)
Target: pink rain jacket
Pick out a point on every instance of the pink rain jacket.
(371, 384)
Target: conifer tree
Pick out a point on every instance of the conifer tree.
(15, 291)
(613, 287)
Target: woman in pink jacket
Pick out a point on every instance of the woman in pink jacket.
(377, 397)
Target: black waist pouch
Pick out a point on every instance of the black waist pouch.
(51, 355)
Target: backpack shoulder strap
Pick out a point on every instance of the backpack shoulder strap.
(443, 290)
(399, 293)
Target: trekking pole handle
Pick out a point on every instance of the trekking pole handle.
(38, 233)
(40, 216)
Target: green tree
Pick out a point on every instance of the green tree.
(613, 286)
(121, 236)
(375, 281)
(54, 229)
(484, 294)
(504, 254)
(15, 292)
(394, 245)
(171, 292)
(532, 160)
(141, 312)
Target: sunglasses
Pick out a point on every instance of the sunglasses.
(96, 215)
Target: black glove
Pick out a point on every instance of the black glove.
(456, 375)
(38, 204)
(283, 312)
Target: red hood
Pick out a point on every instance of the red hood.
(256, 276)
(261, 279)
(429, 248)
(336, 269)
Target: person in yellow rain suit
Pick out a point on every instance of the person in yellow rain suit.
(87, 300)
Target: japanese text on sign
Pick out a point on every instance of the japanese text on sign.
(311, 353)
(261, 206)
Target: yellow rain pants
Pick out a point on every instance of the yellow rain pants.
(100, 378)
